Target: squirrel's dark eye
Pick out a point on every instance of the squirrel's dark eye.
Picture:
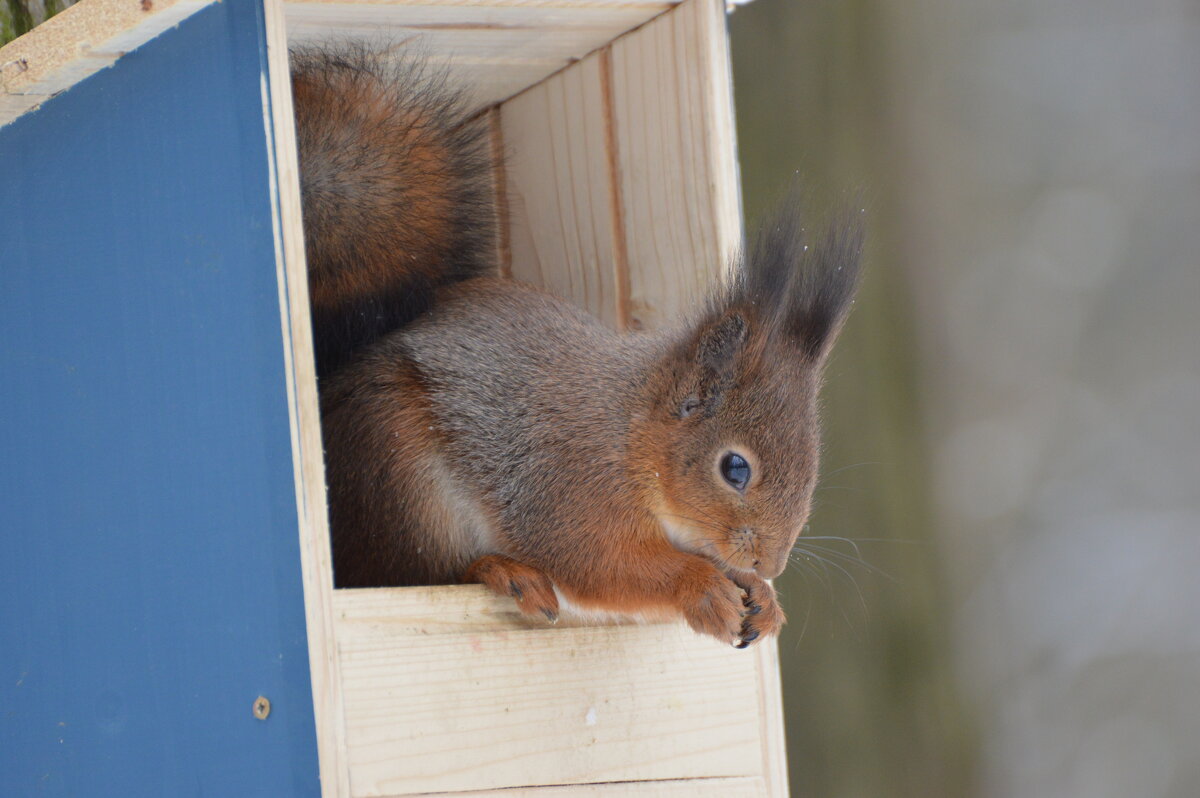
(735, 470)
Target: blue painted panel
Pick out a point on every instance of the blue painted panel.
(149, 561)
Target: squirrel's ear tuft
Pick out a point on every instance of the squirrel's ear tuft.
(719, 342)
(803, 283)
(709, 360)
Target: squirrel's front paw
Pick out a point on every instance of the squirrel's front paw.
(712, 605)
(764, 616)
(532, 589)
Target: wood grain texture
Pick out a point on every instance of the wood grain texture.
(675, 788)
(559, 189)
(78, 42)
(775, 775)
(316, 560)
(530, 8)
(495, 49)
(623, 179)
(448, 688)
(678, 180)
(500, 193)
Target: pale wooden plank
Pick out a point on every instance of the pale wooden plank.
(17, 79)
(545, 43)
(537, 45)
(560, 189)
(316, 560)
(500, 193)
(487, 28)
(679, 788)
(13, 105)
(494, 50)
(527, 6)
(487, 83)
(438, 609)
(673, 112)
(445, 688)
(775, 775)
(620, 247)
(80, 41)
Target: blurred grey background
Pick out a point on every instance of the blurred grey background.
(1014, 410)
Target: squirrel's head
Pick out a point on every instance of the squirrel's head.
(736, 401)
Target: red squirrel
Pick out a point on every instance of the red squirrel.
(477, 429)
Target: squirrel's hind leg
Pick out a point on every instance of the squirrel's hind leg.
(504, 576)
(398, 513)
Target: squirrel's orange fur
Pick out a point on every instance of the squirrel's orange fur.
(500, 435)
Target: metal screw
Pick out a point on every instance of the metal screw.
(262, 707)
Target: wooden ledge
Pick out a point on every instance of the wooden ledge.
(450, 689)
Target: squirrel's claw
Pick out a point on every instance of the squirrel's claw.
(763, 614)
(748, 637)
(529, 587)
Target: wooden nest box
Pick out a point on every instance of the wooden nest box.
(170, 623)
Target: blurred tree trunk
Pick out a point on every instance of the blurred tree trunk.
(870, 698)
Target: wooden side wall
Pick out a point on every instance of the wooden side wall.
(621, 174)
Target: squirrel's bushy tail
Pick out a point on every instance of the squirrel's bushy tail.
(396, 191)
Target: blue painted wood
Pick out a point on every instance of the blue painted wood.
(149, 559)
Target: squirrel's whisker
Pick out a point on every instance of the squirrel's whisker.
(807, 547)
(861, 598)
